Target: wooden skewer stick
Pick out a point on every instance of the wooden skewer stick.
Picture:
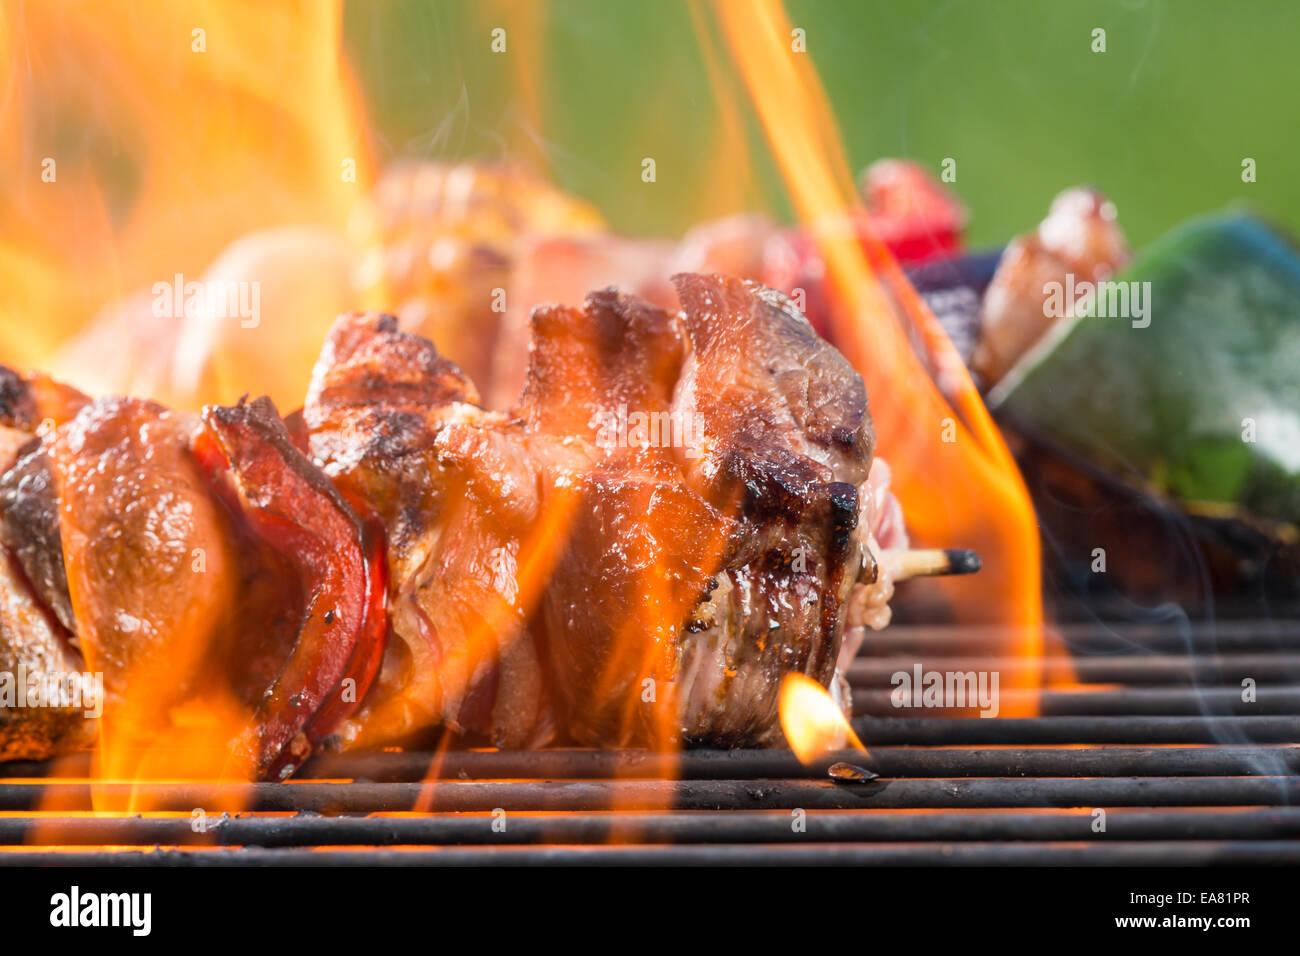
(921, 563)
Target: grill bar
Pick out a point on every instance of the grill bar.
(1128, 669)
(876, 731)
(1095, 637)
(935, 731)
(1147, 701)
(890, 762)
(751, 826)
(595, 795)
(1077, 853)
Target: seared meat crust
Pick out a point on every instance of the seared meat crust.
(699, 569)
(640, 545)
(29, 527)
(29, 520)
(149, 554)
(32, 644)
(392, 421)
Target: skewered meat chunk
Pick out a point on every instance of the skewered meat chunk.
(393, 423)
(172, 597)
(637, 553)
(29, 520)
(1079, 237)
(149, 554)
(789, 445)
(640, 552)
(696, 573)
(768, 387)
(29, 527)
(442, 240)
(35, 651)
(36, 647)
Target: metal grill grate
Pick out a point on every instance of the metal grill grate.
(1154, 731)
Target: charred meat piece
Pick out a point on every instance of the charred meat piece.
(29, 527)
(394, 424)
(787, 450)
(35, 652)
(106, 530)
(713, 542)
(175, 599)
(29, 519)
(149, 554)
(640, 546)
(641, 551)
(766, 388)
(1078, 238)
(442, 240)
(28, 400)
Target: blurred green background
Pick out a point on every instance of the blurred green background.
(1012, 91)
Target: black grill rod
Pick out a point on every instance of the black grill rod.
(583, 795)
(755, 826)
(1269, 701)
(893, 762)
(875, 731)
(956, 731)
(1075, 853)
(1224, 637)
(875, 672)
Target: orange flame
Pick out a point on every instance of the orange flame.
(813, 723)
(957, 481)
(138, 145)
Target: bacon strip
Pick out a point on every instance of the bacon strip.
(249, 458)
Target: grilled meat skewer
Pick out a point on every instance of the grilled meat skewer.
(155, 583)
(657, 590)
(680, 509)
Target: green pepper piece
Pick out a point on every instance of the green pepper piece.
(1203, 403)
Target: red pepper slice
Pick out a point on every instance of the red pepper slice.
(911, 212)
(904, 206)
(247, 455)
